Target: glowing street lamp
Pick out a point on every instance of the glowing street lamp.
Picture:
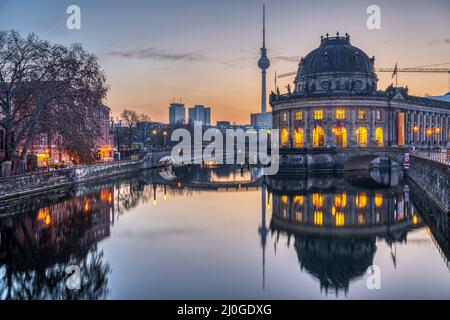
(154, 132)
(429, 132)
(437, 130)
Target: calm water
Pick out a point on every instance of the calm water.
(218, 233)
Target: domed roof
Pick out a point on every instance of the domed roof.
(335, 55)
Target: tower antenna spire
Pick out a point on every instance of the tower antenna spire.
(264, 26)
(263, 64)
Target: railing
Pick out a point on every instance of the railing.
(438, 156)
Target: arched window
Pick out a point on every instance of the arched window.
(284, 137)
(340, 137)
(378, 200)
(379, 137)
(361, 136)
(361, 200)
(298, 138)
(318, 137)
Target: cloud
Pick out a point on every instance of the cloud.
(442, 41)
(286, 58)
(157, 54)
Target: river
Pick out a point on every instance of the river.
(226, 233)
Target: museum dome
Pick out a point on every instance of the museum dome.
(336, 65)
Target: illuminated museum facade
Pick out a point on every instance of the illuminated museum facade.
(335, 103)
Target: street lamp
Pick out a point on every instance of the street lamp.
(165, 136)
(154, 132)
(437, 130)
(429, 132)
(415, 132)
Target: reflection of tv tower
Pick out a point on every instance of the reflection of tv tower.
(263, 231)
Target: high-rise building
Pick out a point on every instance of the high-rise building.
(200, 115)
(263, 120)
(177, 113)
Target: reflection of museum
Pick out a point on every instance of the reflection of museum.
(335, 103)
(335, 226)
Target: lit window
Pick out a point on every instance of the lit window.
(284, 117)
(298, 138)
(378, 200)
(340, 114)
(340, 200)
(340, 137)
(340, 219)
(361, 219)
(318, 137)
(318, 114)
(361, 114)
(317, 199)
(298, 115)
(379, 137)
(298, 200)
(361, 136)
(284, 137)
(361, 200)
(318, 218)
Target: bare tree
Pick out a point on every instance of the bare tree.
(130, 119)
(40, 81)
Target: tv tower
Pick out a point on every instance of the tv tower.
(263, 64)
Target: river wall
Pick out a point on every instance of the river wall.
(16, 186)
(433, 178)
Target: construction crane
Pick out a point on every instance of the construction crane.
(421, 69)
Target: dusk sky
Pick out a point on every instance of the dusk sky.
(206, 51)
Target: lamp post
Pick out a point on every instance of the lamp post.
(429, 132)
(165, 136)
(437, 130)
(415, 132)
(154, 132)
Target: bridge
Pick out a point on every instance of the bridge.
(335, 159)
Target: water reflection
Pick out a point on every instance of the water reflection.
(335, 227)
(333, 224)
(36, 248)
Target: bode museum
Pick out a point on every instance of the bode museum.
(335, 104)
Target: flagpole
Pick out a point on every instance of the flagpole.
(275, 80)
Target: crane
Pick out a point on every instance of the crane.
(421, 69)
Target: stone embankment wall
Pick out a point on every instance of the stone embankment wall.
(433, 178)
(15, 186)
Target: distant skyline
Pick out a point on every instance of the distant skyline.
(206, 52)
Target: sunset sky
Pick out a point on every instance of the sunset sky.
(206, 51)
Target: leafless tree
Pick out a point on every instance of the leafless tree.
(130, 119)
(40, 82)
